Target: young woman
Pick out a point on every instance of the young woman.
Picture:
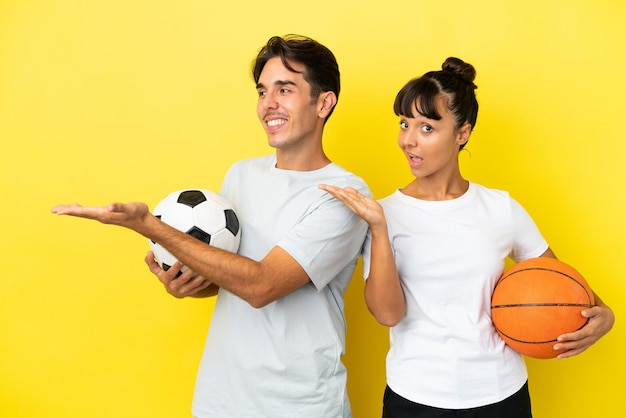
(434, 252)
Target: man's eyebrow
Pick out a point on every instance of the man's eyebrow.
(277, 83)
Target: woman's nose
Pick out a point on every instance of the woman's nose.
(407, 139)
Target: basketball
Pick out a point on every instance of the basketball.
(537, 300)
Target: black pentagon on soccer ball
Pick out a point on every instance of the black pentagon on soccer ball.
(200, 234)
(232, 222)
(191, 198)
(166, 267)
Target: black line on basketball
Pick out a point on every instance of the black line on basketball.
(545, 269)
(525, 305)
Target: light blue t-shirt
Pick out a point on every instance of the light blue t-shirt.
(284, 359)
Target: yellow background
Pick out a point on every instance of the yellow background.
(106, 100)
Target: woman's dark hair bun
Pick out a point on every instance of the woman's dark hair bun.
(460, 68)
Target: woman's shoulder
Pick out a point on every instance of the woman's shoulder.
(491, 192)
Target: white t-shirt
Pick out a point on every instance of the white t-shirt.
(284, 360)
(445, 352)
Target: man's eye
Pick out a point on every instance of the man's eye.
(261, 93)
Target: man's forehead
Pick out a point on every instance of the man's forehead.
(275, 69)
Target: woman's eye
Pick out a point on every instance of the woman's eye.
(427, 128)
(403, 124)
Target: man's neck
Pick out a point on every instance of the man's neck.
(301, 160)
(301, 165)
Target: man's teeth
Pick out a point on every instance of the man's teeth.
(275, 122)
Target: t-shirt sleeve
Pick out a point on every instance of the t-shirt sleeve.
(528, 242)
(326, 240)
(367, 254)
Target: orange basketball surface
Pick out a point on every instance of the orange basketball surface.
(537, 300)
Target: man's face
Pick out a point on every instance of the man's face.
(285, 108)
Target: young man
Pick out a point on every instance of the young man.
(278, 329)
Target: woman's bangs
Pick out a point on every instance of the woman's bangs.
(419, 95)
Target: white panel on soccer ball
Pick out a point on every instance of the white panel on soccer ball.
(209, 217)
(178, 216)
(225, 240)
(218, 199)
(162, 255)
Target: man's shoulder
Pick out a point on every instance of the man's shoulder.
(344, 178)
(247, 164)
(262, 161)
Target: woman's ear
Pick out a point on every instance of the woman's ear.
(464, 134)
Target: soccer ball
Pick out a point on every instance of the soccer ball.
(204, 215)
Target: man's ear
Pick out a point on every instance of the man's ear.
(326, 101)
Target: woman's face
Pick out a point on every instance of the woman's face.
(431, 146)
